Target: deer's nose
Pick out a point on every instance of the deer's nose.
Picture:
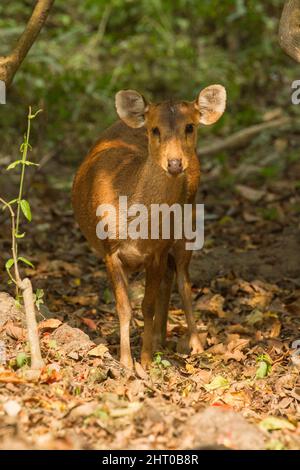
(175, 166)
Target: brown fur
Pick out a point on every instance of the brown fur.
(132, 162)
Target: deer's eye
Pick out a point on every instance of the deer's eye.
(189, 128)
(155, 131)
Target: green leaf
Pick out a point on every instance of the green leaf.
(9, 263)
(272, 423)
(14, 164)
(107, 297)
(217, 382)
(24, 146)
(21, 359)
(262, 370)
(25, 206)
(157, 359)
(20, 235)
(264, 366)
(31, 164)
(38, 298)
(25, 261)
(18, 300)
(52, 344)
(264, 357)
(33, 116)
(165, 363)
(39, 294)
(275, 444)
(256, 316)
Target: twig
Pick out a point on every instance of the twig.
(10, 64)
(241, 138)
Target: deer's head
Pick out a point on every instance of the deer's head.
(172, 126)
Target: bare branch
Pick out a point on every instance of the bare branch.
(241, 138)
(289, 29)
(11, 63)
(37, 362)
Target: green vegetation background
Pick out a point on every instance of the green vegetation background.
(92, 48)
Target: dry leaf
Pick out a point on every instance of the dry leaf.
(55, 266)
(98, 351)
(252, 195)
(8, 376)
(16, 332)
(51, 324)
(140, 371)
(85, 300)
(213, 303)
(294, 307)
(190, 368)
(276, 328)
(271, 423)
(90, 323)
(217, 382)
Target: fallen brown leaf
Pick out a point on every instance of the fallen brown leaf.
(16, 332)
(51, 324)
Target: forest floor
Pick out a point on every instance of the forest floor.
(242, 392)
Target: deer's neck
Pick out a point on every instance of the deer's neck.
(156, 186)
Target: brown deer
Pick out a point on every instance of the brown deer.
(149, 155)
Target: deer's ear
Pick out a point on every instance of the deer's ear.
(131, 107)
(211, 104)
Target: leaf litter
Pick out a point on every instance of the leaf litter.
(242, 392)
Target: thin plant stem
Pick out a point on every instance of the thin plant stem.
(17, 279)
(24, 284)
(24, 158)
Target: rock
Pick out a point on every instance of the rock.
(12, 408)
(84, 410)
(71, 340)
(221, 427)
(252, 195)
(8, 309)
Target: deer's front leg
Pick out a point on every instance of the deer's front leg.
(154, 275)
(162, 305)
(182, 259)
(123, 307)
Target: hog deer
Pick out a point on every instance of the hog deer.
(149, 155)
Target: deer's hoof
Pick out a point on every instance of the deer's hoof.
(195, 344)
(127, 362)
(146, 359)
